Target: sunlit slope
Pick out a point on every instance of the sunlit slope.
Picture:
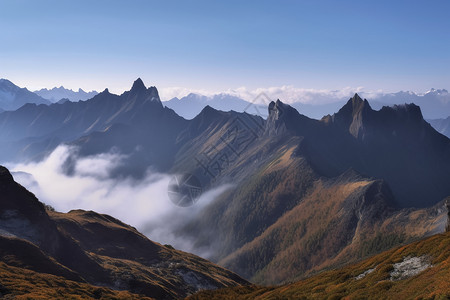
(373, 278)
(20, 283)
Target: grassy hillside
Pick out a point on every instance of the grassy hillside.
(18, 283)
(336, 222)
(373, 278)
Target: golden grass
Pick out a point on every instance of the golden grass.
(433, 283)
(18, 283)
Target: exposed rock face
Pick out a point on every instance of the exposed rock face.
(410, 266)
(354, 115)
(283, 118)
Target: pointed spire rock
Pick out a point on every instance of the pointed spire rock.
(138, 85)
(353, 115)
(283, 117)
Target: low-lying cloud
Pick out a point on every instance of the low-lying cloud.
(142, 203)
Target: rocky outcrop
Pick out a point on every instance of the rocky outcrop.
(354, 115)
(283, 118)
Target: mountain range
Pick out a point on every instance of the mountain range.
(56, 94)
(434, 104)
(192, 104)
(12, 97)
(306, 194)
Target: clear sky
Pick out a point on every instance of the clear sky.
(218, 45)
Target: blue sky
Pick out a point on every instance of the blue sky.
(219, 45)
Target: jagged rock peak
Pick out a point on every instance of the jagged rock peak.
(353, 114)
(354, 106)
(358, 104)
(276, 109)
(138, 85)
(279, 115)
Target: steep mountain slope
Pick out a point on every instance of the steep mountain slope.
(56, 94)
(21, 283)
(87, 247)
(297, 207)
(441, 125)
(353, 171)
(12, 97)
(337, 223)
(415, 271)
(380, 138)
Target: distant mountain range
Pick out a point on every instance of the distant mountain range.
(434, 104)
(50, 255)
(12, 97)
(307, 194)
(192, 104)
(56, 94)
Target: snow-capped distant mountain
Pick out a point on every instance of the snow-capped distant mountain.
(56, 94)
(12, 97)
(435, 104)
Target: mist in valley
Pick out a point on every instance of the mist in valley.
(143, 203)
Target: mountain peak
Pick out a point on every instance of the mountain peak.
(353, 114)
(358, 103)
(5, 83)
(138, 85)
(354, 106)
(276, 109)
(282, 117)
